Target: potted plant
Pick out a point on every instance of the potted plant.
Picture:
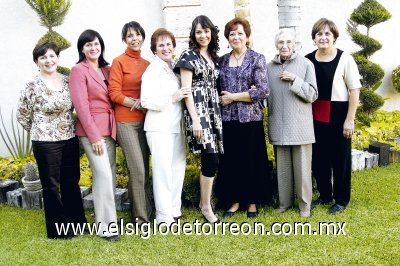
(31, 179)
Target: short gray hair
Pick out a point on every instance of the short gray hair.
(285, 31)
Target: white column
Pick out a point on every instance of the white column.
(178, 17)
(289, 15)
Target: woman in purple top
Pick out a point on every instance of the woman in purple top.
(243, 170)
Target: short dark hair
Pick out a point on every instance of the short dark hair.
(90, 36)
(233, 25)
(41, 49)
(320, 25)
(133, 25)
(158, 33)
(205, 23)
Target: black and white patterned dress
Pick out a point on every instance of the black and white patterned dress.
(206, 101)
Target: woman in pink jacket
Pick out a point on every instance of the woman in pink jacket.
(96, 126)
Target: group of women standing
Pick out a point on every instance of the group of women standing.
(215, 103)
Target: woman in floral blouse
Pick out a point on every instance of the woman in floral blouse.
(45, 109)
(243, 170)
(202, 116)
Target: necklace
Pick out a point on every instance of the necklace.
(238, 58)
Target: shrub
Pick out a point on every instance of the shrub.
(191, 187)
(371, 101)
(370, 45)
(13, 169)
(51, 14)
(52, 36)
(122, 181)
(396, 78)
(18, 141)
(63, 70)
(86, 172)
(371, 72)
(370, 13)
(385, 126)
(122, 168)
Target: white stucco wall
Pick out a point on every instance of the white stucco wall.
(20, 31)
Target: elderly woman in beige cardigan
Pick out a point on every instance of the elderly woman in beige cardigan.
(293, 88)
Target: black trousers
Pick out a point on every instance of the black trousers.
(58, 163)
(331, 162)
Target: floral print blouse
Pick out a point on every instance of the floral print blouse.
(206, 101)
(45, 112)
(252, 72)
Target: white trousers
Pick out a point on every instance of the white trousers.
(168, 155)
(103, 170)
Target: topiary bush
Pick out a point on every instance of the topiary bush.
(369, 44)
(371, 101)
(63, 70)
(51, 14)
(368, 13)
(396, 78)
(371, 72)
(53, 36)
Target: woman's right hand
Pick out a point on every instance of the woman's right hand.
(135, 104)
(197, 130)
(98, 147)
(180, 94)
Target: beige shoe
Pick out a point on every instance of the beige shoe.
(305, 213)
(281, 210)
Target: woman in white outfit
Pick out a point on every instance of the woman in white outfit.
(161, 95)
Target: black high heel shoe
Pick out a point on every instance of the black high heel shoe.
(252, 215)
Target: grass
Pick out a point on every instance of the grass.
(372, 236)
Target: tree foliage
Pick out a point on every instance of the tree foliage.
(369, 44)
(396, 78)
(53, 36)
(371, 73)
(51, 12)
(368, 13)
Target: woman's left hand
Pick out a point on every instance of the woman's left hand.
(226, 98)
(348, 128)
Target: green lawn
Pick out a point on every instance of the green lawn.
(372, 236)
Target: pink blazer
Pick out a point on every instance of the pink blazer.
(89, 95)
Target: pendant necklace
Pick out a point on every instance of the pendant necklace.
(239, 57)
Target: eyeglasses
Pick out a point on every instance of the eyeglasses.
(282, 43)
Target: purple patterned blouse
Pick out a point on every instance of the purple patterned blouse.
(253, 71)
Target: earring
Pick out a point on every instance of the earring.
(314, 43)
